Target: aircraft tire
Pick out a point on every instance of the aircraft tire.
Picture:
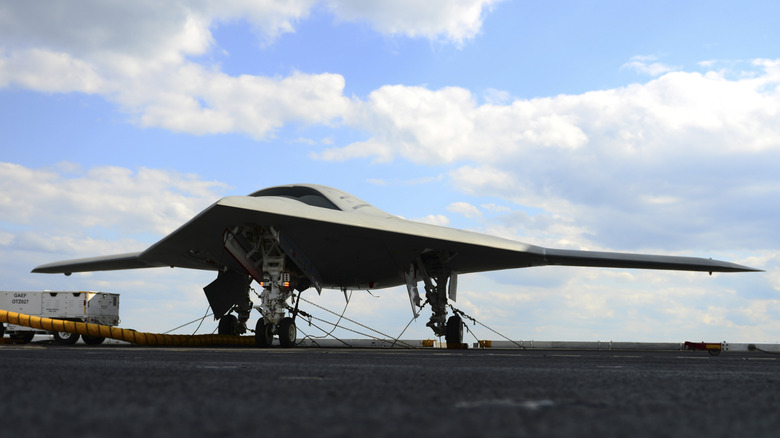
(454, 334)
(287, 332)
(66, 338)
(264, 334)
(227, 325)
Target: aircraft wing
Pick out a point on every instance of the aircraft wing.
(565, 257)
(104, 263)
(360, 250)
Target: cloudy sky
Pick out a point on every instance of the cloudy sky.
(601, 125)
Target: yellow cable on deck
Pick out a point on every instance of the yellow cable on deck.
(127, 335)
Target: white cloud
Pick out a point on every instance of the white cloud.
(138, 56)
(182, 27)
(702, 113)
(646, 65)
(65, 212)
(406, 117)
(454, 20)
(200, 101)
(6, 238)
(485, 178)
(49, 72)
(447, 125)
(143, 29)
(406, 182)
(142, 202)
(654, 161)
(558, 303)
(465, 209)
(497, 97)
(496, 208)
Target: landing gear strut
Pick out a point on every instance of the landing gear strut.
(431, 267)
(260, 251)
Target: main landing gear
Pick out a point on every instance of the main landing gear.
(431, 267)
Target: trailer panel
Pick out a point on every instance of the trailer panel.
(83, 306)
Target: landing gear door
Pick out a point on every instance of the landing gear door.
(229, 289)
(453, 287)
(244, 253)
(411, 288)
(300, 260)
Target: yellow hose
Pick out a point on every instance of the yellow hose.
(132, 336)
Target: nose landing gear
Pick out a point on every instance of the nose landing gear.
(264, 333)
(261, 252)
(287, 332)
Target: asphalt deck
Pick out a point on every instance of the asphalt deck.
(126, 390)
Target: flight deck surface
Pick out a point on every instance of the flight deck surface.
(125, 390)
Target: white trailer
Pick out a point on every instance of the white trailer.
(83, 306)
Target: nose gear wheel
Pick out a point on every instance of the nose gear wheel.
(287, 332)
(264, 333)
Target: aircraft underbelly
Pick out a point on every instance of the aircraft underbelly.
(350, 258)
(353, 257)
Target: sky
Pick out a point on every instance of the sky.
(598, 125)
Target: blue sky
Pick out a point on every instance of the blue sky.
(590, 125)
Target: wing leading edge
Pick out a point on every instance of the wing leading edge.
(564, 257)
(352, 249)
(105, 263)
